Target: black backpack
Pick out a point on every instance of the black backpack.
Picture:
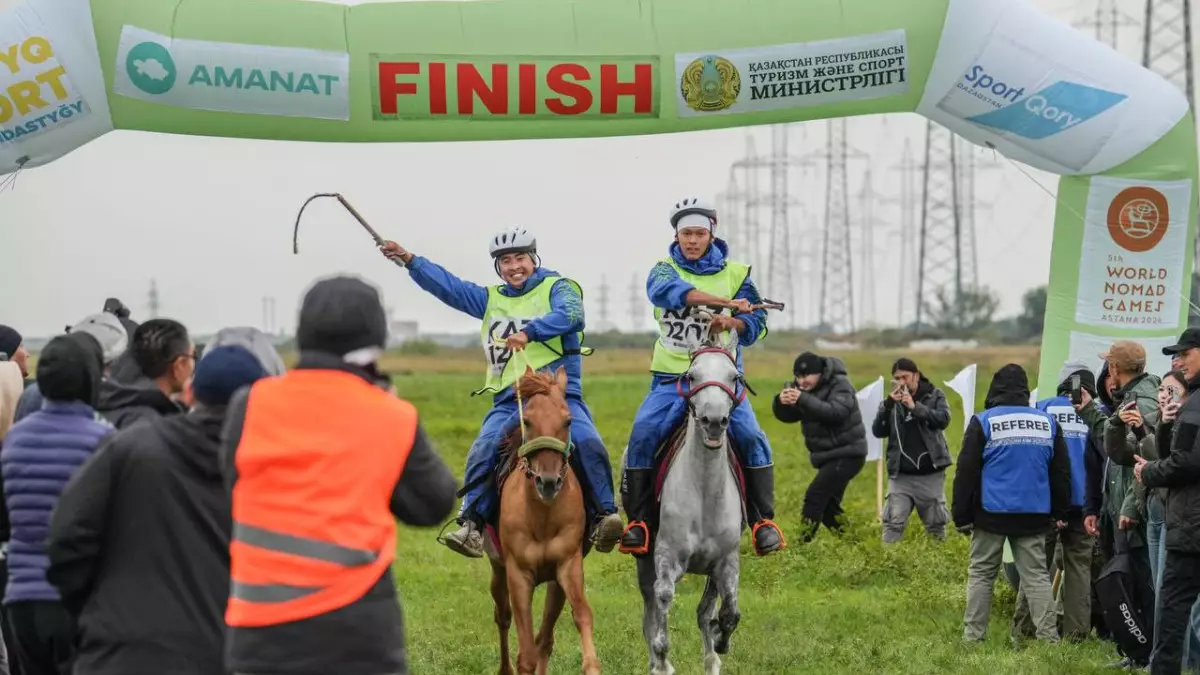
(1115, 589)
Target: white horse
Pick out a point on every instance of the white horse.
(700, 515)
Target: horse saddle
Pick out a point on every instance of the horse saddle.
(664, 458)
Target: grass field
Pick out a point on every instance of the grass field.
(832, 606)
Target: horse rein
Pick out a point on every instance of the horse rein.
(529, 447)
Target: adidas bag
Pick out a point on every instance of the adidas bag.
(1115, 588)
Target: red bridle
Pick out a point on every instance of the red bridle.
(737, 396)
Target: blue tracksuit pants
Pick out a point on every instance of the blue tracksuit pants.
(590, 457)
(663, 410)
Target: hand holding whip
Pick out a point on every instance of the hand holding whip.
(391, 250)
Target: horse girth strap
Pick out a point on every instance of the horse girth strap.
(544, 443)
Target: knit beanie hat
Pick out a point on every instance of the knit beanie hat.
(222, 371)
(10, 340)
(70, 369)
(808, 363)
(341, 315)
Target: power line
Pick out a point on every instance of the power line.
(940, 257)
(780, 276)
(771, 253)
(866, 266)
(1167, 44)
(153, 300)
(837, 284)
(1106, 22)
(602, 301)
(635, 305)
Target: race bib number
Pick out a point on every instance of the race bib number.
(494, 349)
(682, 331)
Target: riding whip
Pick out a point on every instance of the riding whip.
(354, 212)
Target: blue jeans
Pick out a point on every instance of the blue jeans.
(662, 411)
(589, 457)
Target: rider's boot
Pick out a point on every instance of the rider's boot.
(760, 498)
(467, 540)
(638, 498)
(606, 532)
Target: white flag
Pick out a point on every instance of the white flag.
(964, 385)
(1033, 399)
(869, 398)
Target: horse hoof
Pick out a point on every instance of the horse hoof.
(712, 665)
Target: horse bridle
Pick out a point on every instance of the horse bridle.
(528, 448)
(736, 396)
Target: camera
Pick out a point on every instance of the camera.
(116, 307)
(1076, 390)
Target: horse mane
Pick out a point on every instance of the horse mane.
(528, 386)
(535, 384)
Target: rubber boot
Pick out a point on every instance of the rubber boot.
(760, 499)
(637, 496)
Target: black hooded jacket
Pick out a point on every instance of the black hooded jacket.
(139, 550)
(1179, 472)
(1093, 454)
(1010, 387)
(365, 637)
(828, 415)
(126, 404)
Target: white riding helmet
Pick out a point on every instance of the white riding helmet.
(694, 212)
(513, 240)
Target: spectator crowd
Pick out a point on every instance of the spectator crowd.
(1094, 491)
(130, 434)
(175, 509)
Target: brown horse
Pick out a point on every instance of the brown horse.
(541, 529)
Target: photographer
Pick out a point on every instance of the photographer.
(914, 418)
(822, 400)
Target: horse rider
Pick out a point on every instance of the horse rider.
(540, 312)
(698, 272)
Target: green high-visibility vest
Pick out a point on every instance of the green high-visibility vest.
(506, 316)
(678, 332)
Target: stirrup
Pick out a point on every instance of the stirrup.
(754, 536)
(640, 550)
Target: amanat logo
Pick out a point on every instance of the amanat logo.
(408, 87)
(1138, 218)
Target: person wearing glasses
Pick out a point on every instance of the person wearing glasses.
(166, 357)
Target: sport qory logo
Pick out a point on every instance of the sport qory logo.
(1044, 113)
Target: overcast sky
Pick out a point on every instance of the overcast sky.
(210, 220)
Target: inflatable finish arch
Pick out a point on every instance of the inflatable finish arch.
(997, 72)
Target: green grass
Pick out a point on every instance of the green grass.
(832, 606)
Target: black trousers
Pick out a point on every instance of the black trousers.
(45, 635)
(823, 500)
(12, 662)
(1180, 587)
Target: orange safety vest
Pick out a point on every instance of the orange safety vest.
(320, 454)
